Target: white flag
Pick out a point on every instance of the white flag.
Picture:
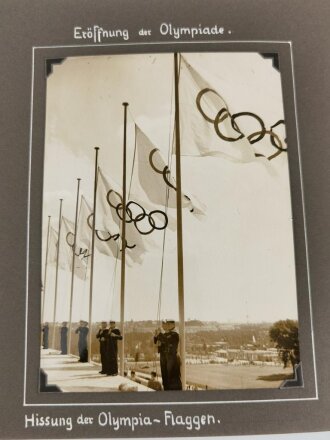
(109, 218)
(52, 246)
(209, 129)
(102, 242)
(84, 232)
(66, 251)
(152, 180)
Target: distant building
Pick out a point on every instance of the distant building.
(222, 345)
(252, 355)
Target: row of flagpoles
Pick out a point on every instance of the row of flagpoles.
(53, 245)
(123, 246)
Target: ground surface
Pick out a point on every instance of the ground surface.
(221, 376)
(228, 376)
(72, 376)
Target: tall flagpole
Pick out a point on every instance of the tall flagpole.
(92, 260)
(45, 274)
(56, 273)
(179, 226)
(73, 263)
(123, 251)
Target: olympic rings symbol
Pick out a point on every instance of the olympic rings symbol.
(253, 138)
(136, 214)
(221, 116)
(165, 171)
(151, 220)
(70, 241)
(199, 106)
(109, 237)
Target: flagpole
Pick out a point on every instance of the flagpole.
(179, 226)
(92, 260)
(73, 263)
(123, 251)
(56, 273)
(45, 274)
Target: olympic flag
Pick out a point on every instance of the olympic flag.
(53, 243)
(109, 217)
(84, 231)
(65, 260)
(152, 180)
(103, 243)
(209, 129)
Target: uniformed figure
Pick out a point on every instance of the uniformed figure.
(45, 333)
(64, 338)
(160, 340)
(169, 360)
(82, 341)
(173, 359)
(113, 336)
(102, 337)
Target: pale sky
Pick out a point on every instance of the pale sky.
(239, 259)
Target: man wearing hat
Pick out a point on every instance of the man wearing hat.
(64, 338)
(45, 331)
(173, 359)
(82, 341)
(160, 340)
(169, 360)
(102, 337)
(112, 338)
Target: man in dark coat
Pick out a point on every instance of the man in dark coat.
(113, 336)
(45, 333)
(64, 338)
(102, 337)
(169, 360)
(82, 341)
(172, 357)
(160, 340)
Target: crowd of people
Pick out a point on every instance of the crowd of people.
(165, 338)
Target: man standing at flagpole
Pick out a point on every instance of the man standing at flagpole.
(45, 333)
(102, 335)
(160, 340)
(169, 359)
(172, 357)
(113, 336)
(64, 338)
(82, 341)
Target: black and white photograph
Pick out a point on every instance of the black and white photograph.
(168, 256)
(164, 225)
